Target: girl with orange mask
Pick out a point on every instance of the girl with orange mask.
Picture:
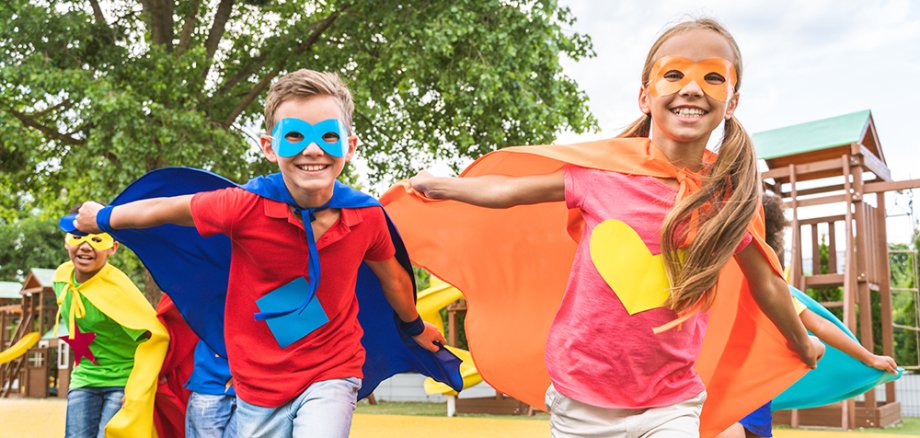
(622, 348)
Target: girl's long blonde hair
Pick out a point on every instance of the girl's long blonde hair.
(726, 202)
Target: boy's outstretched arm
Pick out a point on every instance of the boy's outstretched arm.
(833, 336)
(397, 288)
(772, 295)
(493, 191)
(138, 214)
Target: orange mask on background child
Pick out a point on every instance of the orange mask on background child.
(715, 76)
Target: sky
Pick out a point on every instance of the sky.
(803, 61)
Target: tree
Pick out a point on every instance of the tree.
(29, 243)
(904, 304)
(93, 94)
(827, 293)
(32, 242)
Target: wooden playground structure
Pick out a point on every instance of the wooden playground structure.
(43, 370)
(837, 164)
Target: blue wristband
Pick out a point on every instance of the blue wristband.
(413, 328)
(102, 218)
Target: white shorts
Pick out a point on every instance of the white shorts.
(571, 418)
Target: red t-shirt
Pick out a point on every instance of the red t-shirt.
(269, 249)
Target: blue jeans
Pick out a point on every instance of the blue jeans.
(210, 416)
(324, 409)
(89, 409)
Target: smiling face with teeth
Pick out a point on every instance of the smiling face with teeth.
(309, 175)
(87, 261)
(682, 122)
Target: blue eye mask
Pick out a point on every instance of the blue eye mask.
(330, 135)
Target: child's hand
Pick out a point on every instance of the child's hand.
(86, 217)
(812, 352)
(428, 338)
(884, 363)
(424, 183)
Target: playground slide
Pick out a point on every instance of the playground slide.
(429, 305)
(19, 348)
(837, 377)
(436, 297)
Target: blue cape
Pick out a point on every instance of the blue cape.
(194, 272)
(838, 375)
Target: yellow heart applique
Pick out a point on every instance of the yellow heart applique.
(636, 276)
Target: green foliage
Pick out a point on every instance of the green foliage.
(904, 305)
(829, 293)
(30, 243)
(94, 94)
(33, 242)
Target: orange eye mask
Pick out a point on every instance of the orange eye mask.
(99, 242)
(715, 76)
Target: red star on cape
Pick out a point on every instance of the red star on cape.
(80, 344)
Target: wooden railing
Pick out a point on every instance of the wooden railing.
(12, 371)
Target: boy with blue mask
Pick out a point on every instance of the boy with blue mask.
(292, 331)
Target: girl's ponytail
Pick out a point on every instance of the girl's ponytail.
(726, 202)
(640, 128)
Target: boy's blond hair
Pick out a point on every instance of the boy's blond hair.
(306, 83)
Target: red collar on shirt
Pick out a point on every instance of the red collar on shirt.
(274, 209)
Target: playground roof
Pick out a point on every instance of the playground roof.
(62, 331)
(10, 289)
(44, 276)
(816, 135)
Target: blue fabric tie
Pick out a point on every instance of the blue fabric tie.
(308, 215)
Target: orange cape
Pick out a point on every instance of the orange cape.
(513, 264)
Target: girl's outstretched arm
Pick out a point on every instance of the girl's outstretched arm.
(833, 336)
(493, 191)
(772, 295)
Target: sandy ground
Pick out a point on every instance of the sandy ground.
(45, 418)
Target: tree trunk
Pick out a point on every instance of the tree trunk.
(151, 290)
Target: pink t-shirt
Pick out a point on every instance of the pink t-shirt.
(596, 352)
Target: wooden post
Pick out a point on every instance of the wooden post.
(863, 248)
(831, 247)
(848, 407)
(40, 301)
(815, 251)
(795, 270)
(884, 290)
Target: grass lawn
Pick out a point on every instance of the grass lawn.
(427, 410)
(402, 408)
(908, 426)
